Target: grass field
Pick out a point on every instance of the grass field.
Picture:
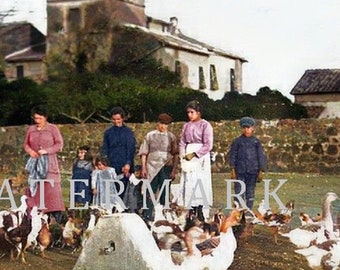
(306, 190)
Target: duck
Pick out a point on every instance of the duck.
(311, 233)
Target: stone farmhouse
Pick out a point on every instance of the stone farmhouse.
(99, 24)
(319, 91)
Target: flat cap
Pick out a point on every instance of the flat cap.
(247, 122)
(164, 118)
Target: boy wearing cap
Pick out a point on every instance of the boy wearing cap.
(247, 160)
(159, 158)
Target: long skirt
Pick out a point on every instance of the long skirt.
(51, 199)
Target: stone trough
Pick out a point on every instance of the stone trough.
(123, 241)
(120, 241)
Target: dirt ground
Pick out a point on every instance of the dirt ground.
(256, 252)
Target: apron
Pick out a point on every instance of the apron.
(192, 171)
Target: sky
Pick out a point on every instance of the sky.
(280, 39)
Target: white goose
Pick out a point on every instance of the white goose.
(316, 232)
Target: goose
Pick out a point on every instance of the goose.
(315, 232)
(332, 259)
(315, 253)
(221, 255)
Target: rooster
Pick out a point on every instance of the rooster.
(17, 237)
(16, 225)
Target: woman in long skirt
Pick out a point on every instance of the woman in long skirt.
(194, 148)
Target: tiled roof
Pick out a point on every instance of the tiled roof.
(318, 81)
(183, 42)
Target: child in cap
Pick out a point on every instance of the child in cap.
(247, 160)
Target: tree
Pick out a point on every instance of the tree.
(18, 99)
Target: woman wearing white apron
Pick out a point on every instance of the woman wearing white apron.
(194, 148)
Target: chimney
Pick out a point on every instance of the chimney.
(173, 28)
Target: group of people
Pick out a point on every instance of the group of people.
(160, 155)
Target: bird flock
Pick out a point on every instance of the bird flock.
(26, 228)
(180, 234)
(317, 238)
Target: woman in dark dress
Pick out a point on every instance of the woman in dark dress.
(119, 144)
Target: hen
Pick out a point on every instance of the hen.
(71, 234)
(44, 238)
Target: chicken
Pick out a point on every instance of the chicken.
(44, 238)
(56, 230)
(36, 217)
(71, 234)
(18, 236)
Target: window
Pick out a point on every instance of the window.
(178, 68)
(74, 19)
(20, 72)
(202, 84)
(232, 80)
(213, 78)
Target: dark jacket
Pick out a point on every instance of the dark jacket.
(119, 145)
(246, 155)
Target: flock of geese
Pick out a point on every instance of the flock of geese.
(181, 236)
(213, 243)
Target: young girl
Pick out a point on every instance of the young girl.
(82, 169)
(195, 144)
(132, 194)
(100, 176)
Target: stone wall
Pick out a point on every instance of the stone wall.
(306, 146)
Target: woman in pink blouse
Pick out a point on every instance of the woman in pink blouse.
(44, 138)
(195, 145)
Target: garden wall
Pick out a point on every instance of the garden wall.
(306, 146)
